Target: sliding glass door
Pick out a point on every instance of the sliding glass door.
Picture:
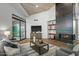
(18, 28)
(23, 30)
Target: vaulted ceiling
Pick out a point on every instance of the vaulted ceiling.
(33, 8)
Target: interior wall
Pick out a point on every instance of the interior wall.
(6, 11)
(5, 18)
(43, 19)
(77, 20)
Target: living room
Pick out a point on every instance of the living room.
(39, 29)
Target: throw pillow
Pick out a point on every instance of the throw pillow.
(9, 44)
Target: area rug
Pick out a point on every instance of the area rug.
(26, 50)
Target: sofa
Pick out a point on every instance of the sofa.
(7, 49)
(2, 52)
(64, 52)
(68, 51)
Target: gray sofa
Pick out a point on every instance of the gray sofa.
(68, 51)
(64, 52)
(8, 50)
(2, 52)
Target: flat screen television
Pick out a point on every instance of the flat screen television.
(35, 28)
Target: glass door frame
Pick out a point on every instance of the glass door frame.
(14, 17)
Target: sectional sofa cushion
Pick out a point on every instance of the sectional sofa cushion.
(11, 51)
(2, 51)
(67, 50)
(76, 48)
(61, 53)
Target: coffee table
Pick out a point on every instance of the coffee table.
(40, 46)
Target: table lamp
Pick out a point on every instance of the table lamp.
(7, 33)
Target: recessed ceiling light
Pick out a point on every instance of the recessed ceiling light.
(36, 6)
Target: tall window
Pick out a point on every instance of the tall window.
(18, 27)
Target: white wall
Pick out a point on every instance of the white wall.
(77, 21)
(6, 11)
(43, 19)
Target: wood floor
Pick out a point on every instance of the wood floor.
(53, 42)
(58, 43)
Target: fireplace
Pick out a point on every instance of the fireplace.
(36, 28)
(67, 38)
